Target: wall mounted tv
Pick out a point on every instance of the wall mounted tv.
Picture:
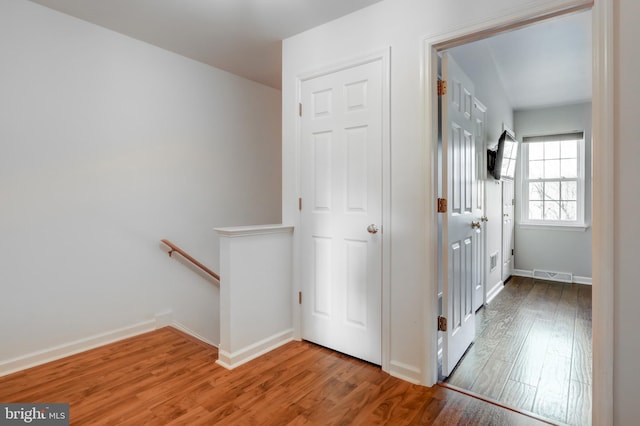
(501, 160)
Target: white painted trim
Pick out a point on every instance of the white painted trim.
(494, 291)
(253, 351)
(429, 78)
(344, 64)
(383, 55)
(406, 372)
(552, 227)
(163, 319)
(582, 280)
(181, 327)
(576, 278)
(246, 231)
(71, 348)
(522, 273)
(386, 211)
(603, 187)
(509, 19)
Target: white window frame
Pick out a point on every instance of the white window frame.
(579, 223)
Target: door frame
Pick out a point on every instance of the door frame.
(383, 55)
(603, 187)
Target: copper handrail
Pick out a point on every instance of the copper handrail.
(184, 254)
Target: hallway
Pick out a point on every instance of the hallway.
(165, 377)
(533, 350)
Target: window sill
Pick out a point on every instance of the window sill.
(582, 227)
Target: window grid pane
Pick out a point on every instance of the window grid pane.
(553, 200)
(568, 210)
(536, 191)
(551, 210)
(552, 180)
(552, 191)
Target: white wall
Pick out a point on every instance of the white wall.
(476, 59)
(403, 25)
(255, 292)
(626, 205)
(561, 250)
(107, 145)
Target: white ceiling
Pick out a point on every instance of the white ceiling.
(544, 64)
(547, 63)
(240, 36)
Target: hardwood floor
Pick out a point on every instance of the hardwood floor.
(167, 378)
(533, 350)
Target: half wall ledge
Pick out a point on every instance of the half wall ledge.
(255, 291)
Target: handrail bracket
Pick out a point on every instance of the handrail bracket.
(188, 257)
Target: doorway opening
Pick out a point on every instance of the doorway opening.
(532, 347)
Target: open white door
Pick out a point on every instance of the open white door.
(341, 210)
(460, 226)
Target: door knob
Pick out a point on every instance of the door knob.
(484, 219)
(475, 225)
(372, 229)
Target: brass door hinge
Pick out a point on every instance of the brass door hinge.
(442, 324)
(299, 298)
(300, 203)
(442, 87)
(300, 109)
(442, 205)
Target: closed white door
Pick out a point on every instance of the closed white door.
(341, 213)
(460, 224)
(507, 229)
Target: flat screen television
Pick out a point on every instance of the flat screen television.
(501, 160)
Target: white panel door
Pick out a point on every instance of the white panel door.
(461, 226)
(507, 229)
(479, 276)
(341, 235)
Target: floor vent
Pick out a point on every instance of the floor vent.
(565, 277)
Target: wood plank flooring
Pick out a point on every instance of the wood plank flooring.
(166, 378)
(533, 350)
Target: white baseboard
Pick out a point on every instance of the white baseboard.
(582, 280)
(236, 359)
(576, 279)
(522, 273)
(60, 351)
(493, 291)
(33, 359)
(185, 329)
(406, 372)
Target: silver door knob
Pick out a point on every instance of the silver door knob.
(372, 229)
(475, 225)
(484, 219)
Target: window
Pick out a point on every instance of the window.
(553, 180)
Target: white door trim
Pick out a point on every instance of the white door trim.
(603, 187)
(383, 55)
